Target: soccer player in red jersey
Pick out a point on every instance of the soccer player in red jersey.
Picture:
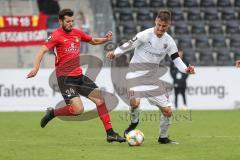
(65, 41)
(238, 63)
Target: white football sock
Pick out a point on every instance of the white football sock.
(164, 125)
(134, 114)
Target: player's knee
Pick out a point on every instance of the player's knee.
(77, 110)
(167, 113)
(134, 104)
(99, 101)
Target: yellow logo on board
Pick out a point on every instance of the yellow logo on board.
(35, 21)
(1, 22)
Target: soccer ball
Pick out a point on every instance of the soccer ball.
(135, 137)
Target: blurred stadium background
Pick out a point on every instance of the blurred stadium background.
(207, 30)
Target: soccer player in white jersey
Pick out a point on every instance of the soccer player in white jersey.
(151, 46)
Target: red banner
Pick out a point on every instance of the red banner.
(23, 30)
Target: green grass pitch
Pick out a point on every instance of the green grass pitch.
(203, 135)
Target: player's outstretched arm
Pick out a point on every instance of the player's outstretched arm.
(181, 65)
(238, 63)
(37, 62)
(97, 41)
(130, 45)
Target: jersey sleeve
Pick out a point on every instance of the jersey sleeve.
(84, 36)
(172, 47)
(141, 37)
(51, 41)
(130, 45)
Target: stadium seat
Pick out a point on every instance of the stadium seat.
(228, 14)
(173, 3)
(190, 3)
(219, 41)
(129, 29)
(190, 56)
(232, 27)
(181, 28)
(122, 39)
(146, 25)
(122, 4)
(235, 41)
(223, 3)
(198, 28)
(215, 28)
(5, 10)
(207, 3)
(125, 14)
(197, 24)
(206, 57)
(21, 7)
(224, 57)
(185, 41)
(140, 3)
(237, 3)
(177, 14)
(157, 3)
(211, 14)
(144, 15)
(202, 41)
(119, 30)
(236, 53)
(194, 14)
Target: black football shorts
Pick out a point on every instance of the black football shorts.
(73, 86)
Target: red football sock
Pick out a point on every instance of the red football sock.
(65, 111)
(104, 116)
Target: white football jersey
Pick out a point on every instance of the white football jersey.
(144, 70)
(151, 49)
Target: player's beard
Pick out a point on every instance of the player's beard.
(67, 29)
(159, 33)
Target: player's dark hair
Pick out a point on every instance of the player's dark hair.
(164, 15)
(65, 12)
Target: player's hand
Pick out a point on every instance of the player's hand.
(32, 73)
(238, 63)
(110, 55)
(109, 35)
(190, 69)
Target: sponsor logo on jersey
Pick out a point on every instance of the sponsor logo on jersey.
(72, 48)
(165, 46)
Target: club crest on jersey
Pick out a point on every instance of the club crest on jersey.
(76, 40)
(165, 46)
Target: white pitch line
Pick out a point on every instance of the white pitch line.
(213, 136)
